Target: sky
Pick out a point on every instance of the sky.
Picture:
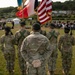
(8, 3)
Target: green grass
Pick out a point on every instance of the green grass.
(58, 71)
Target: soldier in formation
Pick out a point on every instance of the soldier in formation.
(19, 37)
(41, 31)
(65, 46)
(52, 35)
(36, 51)
(7, 43)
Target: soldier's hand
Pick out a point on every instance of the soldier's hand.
(36, 63)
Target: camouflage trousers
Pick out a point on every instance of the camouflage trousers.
(66, 60)
(37, 71)
(52, 61)
(22, 63)
(10, 60)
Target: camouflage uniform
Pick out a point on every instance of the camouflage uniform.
(8, 49)
(65, 46)
(36, 46)
(52, 36)
(43, 32)
(19, 37)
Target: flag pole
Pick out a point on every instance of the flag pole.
(22, 8)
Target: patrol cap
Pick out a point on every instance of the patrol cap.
(36, 26)
(22, 23)
(66, 29)
(7, 28)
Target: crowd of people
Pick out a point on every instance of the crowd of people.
(3, 24)
(62, 24)
(37, 49)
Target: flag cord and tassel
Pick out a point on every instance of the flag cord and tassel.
(22, 9)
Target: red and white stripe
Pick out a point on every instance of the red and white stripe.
(44, 11)
(27, 11)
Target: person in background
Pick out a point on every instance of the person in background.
(36, 51)
(4, 25)
(7, 43)
(52, 35)
(20, 35)
(0, 27)
(41, 31)
(65, 46)
(12, 22)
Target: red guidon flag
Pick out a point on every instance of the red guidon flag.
(44, 11)
(28, 10)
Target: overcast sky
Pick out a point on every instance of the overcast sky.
(8, 3)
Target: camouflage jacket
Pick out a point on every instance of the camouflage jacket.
(66, 42)
(7, 43)
(35, 46)
(43, 32)
(53, 36)
(20, 36)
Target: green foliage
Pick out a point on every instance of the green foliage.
(67, 5)
(7, 12)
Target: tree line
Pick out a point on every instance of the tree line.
(67, 5)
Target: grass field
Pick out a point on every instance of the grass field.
(58, 71)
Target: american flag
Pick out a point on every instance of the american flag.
(44, 11)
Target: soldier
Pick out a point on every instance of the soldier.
(7, 46)
(19, 37)
(52, 35)
(41, 31)
(65, 46)
(36, 51)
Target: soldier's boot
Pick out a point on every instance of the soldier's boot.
(51, 72)
(11, 73)
(23, 73)
(65, 72)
